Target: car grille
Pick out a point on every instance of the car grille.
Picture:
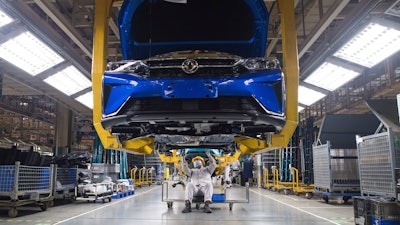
(221, 67)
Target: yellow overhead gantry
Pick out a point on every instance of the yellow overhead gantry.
(246, 145)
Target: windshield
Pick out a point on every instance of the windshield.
(205, 20)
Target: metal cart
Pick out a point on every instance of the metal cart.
(379, 164)
(25, 185)
(279, 185)
(267, 183)
(171, 192)
(94, 192)
(65, 181)
(133, 176)
(301, 187)
(331, 172)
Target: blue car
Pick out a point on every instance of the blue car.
(193, 68)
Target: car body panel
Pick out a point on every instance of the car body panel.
(253, 84)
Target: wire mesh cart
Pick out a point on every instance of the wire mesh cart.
(25, 185)
(379, 164)
(65, 181)
(173, 191)
(335, 172)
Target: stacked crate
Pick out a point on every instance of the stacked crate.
(362, 210)
(385, 212)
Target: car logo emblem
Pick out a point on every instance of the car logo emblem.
(190, 66)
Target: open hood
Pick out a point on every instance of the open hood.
(153, 27)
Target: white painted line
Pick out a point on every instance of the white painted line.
(105, 206)
(312, 214)
(317, 207)
(294, 199)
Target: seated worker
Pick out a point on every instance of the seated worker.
(201, 183)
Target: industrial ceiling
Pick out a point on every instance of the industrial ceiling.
(67, 26)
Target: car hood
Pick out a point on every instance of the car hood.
(153, 27)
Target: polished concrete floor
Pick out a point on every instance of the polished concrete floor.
(146, 207)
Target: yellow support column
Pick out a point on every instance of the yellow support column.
(109, 141)
(100, 34)
(291, 68)
(291, 71)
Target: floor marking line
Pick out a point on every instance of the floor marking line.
(316, 207)
(105, 206)
(312, 214)
(294, 199)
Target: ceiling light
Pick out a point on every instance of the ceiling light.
(29, 53)
(69, 81)
(330, 76)
(4, 19)
(377, 41)
(308, 96)
(86, 99)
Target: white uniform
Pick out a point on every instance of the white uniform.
(201, 182)
(228, 175)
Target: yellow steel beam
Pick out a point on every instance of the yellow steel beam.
(225, 159)
(140, 145)
(291, 70)
(109, 141)
(102, 14)
(174, 158)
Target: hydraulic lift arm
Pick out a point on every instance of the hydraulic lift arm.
(291, 71)
(109, 141)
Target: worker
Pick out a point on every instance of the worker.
(200, 183)
(228, 176)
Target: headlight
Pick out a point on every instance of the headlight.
(261, 64)
(137, 67)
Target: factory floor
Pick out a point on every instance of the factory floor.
(146, 207)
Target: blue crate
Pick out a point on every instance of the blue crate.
(218, 198)
(378, 221)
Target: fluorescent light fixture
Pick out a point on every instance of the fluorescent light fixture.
(300, 108)
(69, 81)
(308, 96)
(4, 19)
(86, 99)
(330, 76)
(29, 53)
(376, 42)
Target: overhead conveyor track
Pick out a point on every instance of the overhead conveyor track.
(246, 145)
